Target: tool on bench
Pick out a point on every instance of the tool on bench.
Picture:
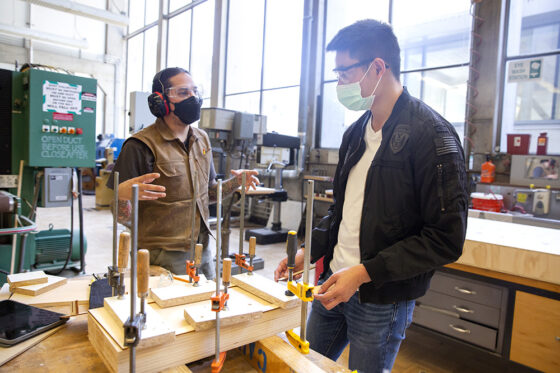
(135, 323)
(219, 299)
(112, 273)
(192, 267)
(302, 290)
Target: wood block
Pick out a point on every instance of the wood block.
(156, 331)
(266, 289)
(183, 293)
(27, 278)
(52, 283)
(74, 291)
(187, 347)
(242, 307)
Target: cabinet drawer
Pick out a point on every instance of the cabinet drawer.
(471, 290)
(535, 338)
(461, 329)
(465, 309)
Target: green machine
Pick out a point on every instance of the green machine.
(52, 135)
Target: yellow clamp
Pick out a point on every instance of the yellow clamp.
(295, 340)
(302, 291)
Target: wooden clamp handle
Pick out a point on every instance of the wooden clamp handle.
(124, 251)
(198, 254)
(252, 245)
(226, 272)
(143, 271)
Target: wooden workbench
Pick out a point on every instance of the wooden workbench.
(528, 252)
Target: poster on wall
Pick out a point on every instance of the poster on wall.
(62, 97)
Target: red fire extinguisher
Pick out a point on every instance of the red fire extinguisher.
(542, 143)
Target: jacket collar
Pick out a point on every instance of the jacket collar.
(399, 105)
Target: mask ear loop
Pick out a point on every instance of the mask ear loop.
(379, 81)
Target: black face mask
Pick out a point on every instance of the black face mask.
(188, 110)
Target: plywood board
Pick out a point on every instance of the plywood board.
(183, 293)
(187, 347)
(8, 353)
(156, 330)
(241, 307)
(33, 290)
(266, 289)
(27, 278)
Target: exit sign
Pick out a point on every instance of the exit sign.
(525, 70)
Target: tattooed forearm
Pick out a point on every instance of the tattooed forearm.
(228, 187)
(124, 211)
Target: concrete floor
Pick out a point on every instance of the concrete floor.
(98, 228)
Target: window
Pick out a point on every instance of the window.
(334, 119)
(264, 78)
(531, 102)
(434, 37)
(189, 43)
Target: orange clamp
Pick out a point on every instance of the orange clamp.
(240, 261)
(217, 365)
(191, 272)
(218, 301)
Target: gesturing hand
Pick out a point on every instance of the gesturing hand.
(251, 180)
(342, 285)
(146, 191)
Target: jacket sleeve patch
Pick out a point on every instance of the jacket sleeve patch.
(399, 138)
(446, 145)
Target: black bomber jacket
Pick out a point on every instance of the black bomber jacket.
(414, 216)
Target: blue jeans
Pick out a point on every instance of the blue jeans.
(374, 331)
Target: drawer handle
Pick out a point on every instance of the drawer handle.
(557, 338)
(462, 309)
(465, 291)
(459, 329)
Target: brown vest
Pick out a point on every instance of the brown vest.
(165, 223)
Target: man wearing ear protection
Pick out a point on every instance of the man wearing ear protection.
(400, 206)
(162, 160)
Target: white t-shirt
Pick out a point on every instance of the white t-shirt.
(347, 250)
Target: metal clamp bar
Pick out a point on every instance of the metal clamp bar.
(193, 217)
(242, 213)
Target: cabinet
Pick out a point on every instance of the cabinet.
(535, 339)
(466, 309)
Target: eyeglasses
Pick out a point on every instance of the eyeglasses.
(182, 92)
(342, 73)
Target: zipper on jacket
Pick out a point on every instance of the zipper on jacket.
(440, 185)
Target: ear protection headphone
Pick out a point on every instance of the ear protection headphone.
(157, 101)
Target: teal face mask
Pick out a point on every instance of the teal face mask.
(350, 95)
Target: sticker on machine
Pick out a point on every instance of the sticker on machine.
(63, 116)
(88, 96)
(62, 97)
(88, 110)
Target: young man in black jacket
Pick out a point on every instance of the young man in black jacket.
(400, 206)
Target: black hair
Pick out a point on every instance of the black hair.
(369, 39)
(162, 78)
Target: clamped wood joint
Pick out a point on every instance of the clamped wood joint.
(191, 272)
(240, 261)
(219, 301)
(133, 329)
(301, 290)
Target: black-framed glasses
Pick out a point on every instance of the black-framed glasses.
(341, 72)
